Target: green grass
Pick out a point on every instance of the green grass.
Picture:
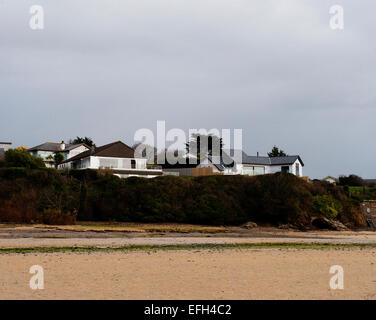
(359, 189)
(188, 247)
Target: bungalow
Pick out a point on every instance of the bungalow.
(255, 165)
(116, 156)
(47, 150)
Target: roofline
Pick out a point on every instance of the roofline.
(81, 156)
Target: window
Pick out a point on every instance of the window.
(259, 170)
(108, 163)
(297, 169)
(285, 169)
(248, 170)
(133, 164)
(253, 171)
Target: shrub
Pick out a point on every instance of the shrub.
(17, 158)
(325, 205)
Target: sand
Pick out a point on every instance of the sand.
(192, 274)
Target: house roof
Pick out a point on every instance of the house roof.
(115, 149)
(287, 160)
(55, 147)
(5, 142)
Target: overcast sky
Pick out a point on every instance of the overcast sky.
(273, 68)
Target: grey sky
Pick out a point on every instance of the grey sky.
(272, 68)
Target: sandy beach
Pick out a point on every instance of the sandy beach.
(189, 273)
(199, 274)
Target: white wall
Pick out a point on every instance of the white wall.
(5, 146)
(76, 151)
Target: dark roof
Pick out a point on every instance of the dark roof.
(271, 160)
(5, 142)
(55, 147)
(116, 149)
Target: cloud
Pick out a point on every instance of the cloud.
(273, 68)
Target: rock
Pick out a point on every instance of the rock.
(325, 223)
(250, 225)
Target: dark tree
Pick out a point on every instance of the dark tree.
(276, 152)
(88, 141)
(210, 144)
(58, 158)
(351, 180)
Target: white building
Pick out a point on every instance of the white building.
(116, 156)
(5, 146)
(47, 150)
(247, 165)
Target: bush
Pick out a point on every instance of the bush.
(17, 158)
(325, 205)
(50, 196)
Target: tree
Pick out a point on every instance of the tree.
(23, 159)
(145, 151)
(352, 180)
(210, 144)
(276, 152)
(88, 141)
(58, 158)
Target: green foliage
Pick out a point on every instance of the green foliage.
(213, 200)
(58, 158)
(276, 152)
(325, 205)
(22, 159)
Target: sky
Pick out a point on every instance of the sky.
(275, 69)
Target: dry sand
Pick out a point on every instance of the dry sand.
(192, 274)
(185, 274)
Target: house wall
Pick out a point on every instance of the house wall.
(5, 146)
(116, 163)
(76, 151)
(242, 168)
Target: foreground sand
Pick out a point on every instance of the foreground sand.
(192, 274)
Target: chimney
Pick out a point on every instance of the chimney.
(257, 154)
(62, 145)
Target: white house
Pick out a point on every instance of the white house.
(247, 165)
(116, 156)
(5, 146)
(47, 150)
(255, 165)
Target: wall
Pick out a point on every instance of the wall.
(76, 151)
(5, 146)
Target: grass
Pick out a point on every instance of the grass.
(188, 247)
